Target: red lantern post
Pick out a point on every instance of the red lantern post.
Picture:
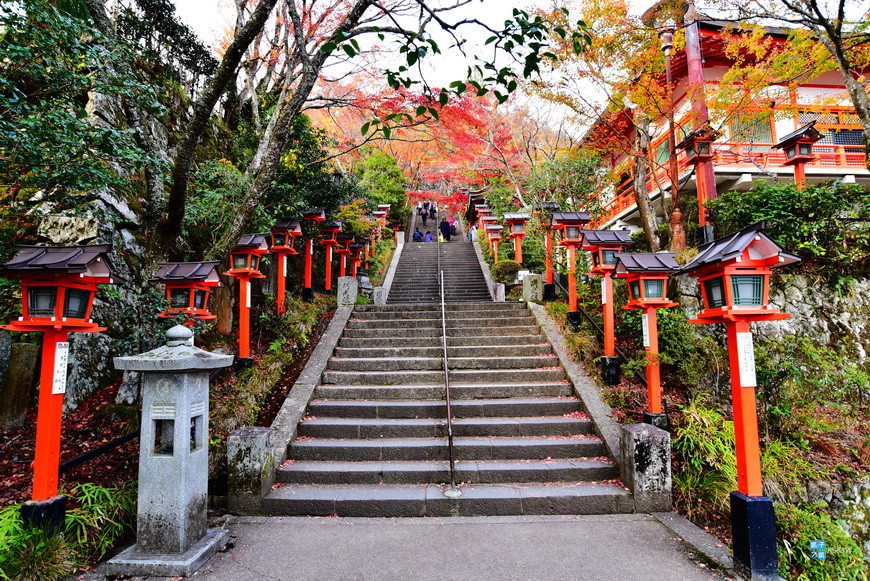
(355, 257)
(798, 149)
(549, 284)
(315, 215)
(284, 234)
(57, 293)
(188, 285)
(698, 146)
(483, 212)
(245, 265)
(647, 277)
(516, 224)
(603, 245)
(734, 273)
(345, 239)
(381, 217)
(570, 224)
(493, 233)
(329, 241)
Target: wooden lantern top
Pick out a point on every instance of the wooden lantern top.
(317, 214)
(606, 239)
(204, 273)
(92, 262)
(637, 264)
(515, 217)
(564, 219)
(807, 134)
(384, 207)
(703, 133)
(292, 227)
(379, 213)
(252, 243)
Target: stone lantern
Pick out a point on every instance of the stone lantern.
(516, 225)
(647, 277)
(172, 538)
(188, 285)
(245, 265)
(58, 284)
(734, 273)
(798, 149)
(603, 246)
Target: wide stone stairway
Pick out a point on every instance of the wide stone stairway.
(416, 278)
(374, 440)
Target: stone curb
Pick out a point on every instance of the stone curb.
(293, 409)
(584, 386)
(391, 272)
(701, 541)
(484, 267)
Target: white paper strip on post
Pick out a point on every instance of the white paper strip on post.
(644, 322)
(61, 357)
(603, 291)
(746, 359)
(248, 294)
(284, 257)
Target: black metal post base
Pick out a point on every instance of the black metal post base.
(243, 363)
(574, 320)
(549, 292)
(307, 294)
(705, 233)
(657, 420)
(753, 526)
(610, 370)
(45, 514)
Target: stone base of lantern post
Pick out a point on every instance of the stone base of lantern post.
(132, 562)
(243, 363)
(308, 294)
(550, 292)
(45, 514)
(753, 526)
(574, 319)
(610, 370)
(657, 420)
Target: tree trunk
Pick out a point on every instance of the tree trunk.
(226, 72)
(641, 196)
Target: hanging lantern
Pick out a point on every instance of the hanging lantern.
(188, 285)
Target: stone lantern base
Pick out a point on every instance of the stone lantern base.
(131, 562)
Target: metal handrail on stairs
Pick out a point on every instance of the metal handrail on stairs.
(451, 492)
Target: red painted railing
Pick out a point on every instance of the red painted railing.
(758, 155)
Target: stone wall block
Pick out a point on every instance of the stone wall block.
(16, 389)
(251, 467)
(645, 466)
(533, 288)
(348, 287)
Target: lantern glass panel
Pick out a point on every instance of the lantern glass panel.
(704, 148)
(572, 233)
(75, 303)
(41, 300)
(715, 292)
(199, 296)
(279, 239)
(747, 289)
(240, 261)
(179, 298)
(255, 262)
(690, 150)
(789, 152)
(608, 256)
(518, 227)
(653, 289)
(634, 289)
(805, 148)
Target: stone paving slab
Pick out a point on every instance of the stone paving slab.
(625, 547)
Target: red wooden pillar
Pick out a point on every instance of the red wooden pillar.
(282, 284)
(742, 364)
(607, 306)
(309, 251)
(572, 278)
(518, 249)
(327, 281)
(548, 256)
(244, 316)
(52, 384)
(651, 345)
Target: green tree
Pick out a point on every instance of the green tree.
(383, 179)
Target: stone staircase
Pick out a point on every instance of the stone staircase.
(416, 278)
(374, 441)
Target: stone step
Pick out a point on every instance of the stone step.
(437, 363)
(482, 319)
(416, 377)
(438, 471)
(437, 331)
(436, 409)
(435, 391)
(410, 500)
(435, 350)
(450, 308)
(317, 427)
(465, 448)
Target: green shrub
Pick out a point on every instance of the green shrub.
(797, 526)
(98, 518)
(830, 221)
(505, 271)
